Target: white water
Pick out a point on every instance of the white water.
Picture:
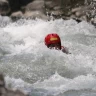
(30, 66)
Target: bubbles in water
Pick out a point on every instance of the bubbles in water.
(25, 56)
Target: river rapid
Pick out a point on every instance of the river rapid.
(30, 66)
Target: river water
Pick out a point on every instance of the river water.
(30, 66)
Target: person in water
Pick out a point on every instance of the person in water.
(53, 41)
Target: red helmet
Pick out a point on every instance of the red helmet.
(52, 38)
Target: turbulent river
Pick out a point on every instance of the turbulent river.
(30, 66)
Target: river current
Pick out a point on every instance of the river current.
(30, 66)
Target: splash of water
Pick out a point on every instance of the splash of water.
(49, 72)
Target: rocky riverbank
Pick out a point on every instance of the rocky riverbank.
(45, 9)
